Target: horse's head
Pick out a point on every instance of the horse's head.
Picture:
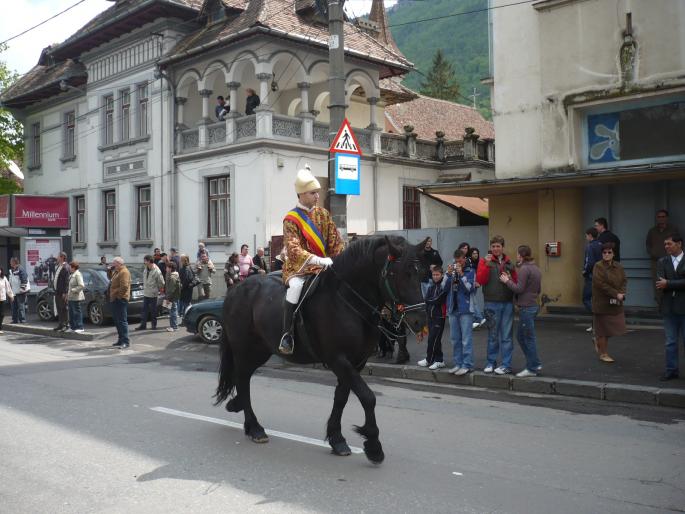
(401, 276)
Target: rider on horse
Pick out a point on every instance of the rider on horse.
(310, 239)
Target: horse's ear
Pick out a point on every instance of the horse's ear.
(419, 247)
(394, 251)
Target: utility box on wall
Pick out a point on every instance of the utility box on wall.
(553, 249)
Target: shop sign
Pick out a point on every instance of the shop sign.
(41, 211)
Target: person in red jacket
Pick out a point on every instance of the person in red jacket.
(499, 306)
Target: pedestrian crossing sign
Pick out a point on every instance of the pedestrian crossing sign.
(345, 140)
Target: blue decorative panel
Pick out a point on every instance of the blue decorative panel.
(604, 143)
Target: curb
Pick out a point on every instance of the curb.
(644, 395)
(49, 332)
(611, 392)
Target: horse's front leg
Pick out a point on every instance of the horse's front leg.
(333, 429)
(348, 375)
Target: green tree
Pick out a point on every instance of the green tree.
(11, 131)
(441, 80)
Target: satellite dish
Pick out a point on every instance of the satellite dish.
(15, 170)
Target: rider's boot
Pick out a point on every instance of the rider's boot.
(287, 344)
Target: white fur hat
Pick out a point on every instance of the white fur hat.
(305, 181)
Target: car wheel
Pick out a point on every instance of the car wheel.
(95, 314)
(210, 330)
(45, 311)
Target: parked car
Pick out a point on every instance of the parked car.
(96, 307)
(205, 319)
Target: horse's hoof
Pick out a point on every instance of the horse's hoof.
(341, 448)
(233, 405)
(260, 438)
(374, 452)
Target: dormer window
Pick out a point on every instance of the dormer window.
(216, 12)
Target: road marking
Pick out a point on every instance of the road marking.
(233, 424)
(456, 473)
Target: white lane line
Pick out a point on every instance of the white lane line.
(233, 424)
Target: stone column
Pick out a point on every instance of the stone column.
(306, 116)
(233, 96)
(264, 88)
(470, 149)
(206, 120)
(304, 95)
(372, 113)
(410, 141)
(180, 118)
(116, 117)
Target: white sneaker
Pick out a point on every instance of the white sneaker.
(475, 325)
(526, 373)
(461, 372)
(436, 365)
(482, 322)
(423, 363)
(171, 329)
(588, 329)
(454, 369)
(488, 369)
(502, 371)
(79, 331)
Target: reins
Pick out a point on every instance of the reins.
(397, 309)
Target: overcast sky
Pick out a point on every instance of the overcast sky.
(18, 15)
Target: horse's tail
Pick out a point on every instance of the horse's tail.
(226, 370)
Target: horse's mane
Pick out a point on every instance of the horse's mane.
(363, 250)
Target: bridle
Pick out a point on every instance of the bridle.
(397, 309)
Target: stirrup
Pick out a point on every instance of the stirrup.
(287, 345)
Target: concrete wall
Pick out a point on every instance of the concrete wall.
(543, 56)
(537, 218)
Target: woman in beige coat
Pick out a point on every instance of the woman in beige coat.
(608, 294)
(75, 296)
(6, 294)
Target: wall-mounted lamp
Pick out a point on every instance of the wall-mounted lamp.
(274, 84)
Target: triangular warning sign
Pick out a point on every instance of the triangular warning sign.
(345, 140)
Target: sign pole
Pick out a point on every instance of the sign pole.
(336, 84)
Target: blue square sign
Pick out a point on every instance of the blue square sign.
(347, 179)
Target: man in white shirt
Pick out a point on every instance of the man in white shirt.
(670, 284)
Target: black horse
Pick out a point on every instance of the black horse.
(341, 320)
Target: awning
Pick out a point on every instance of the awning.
(581, 178)
(478, 206)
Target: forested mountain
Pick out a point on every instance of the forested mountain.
(463, 40)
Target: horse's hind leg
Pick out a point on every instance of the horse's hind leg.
(333, 429)
(347, 374)
(253, 429)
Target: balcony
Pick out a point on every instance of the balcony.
(305, 130)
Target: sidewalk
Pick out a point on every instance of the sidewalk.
(570, 365)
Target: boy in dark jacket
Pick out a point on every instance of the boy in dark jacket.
(436, 310)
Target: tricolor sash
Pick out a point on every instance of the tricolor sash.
(309, 230)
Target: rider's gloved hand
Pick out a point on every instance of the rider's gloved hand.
(321, 261)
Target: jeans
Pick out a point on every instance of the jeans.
(19, 308)
(149, 307)
(173, 315)
(181, 307)
(461, 333)
(120, 315)
(434, 345)
(75, 316)
(477, 302)
(525, 334)
(204, 291)
(674, 326)
(587, 293)
(500, 316)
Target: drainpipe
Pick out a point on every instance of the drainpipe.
(159, 74)
(376, 161)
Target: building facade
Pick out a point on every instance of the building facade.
(121, 117)
(589, 110)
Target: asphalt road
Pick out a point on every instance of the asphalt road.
(87, 429)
